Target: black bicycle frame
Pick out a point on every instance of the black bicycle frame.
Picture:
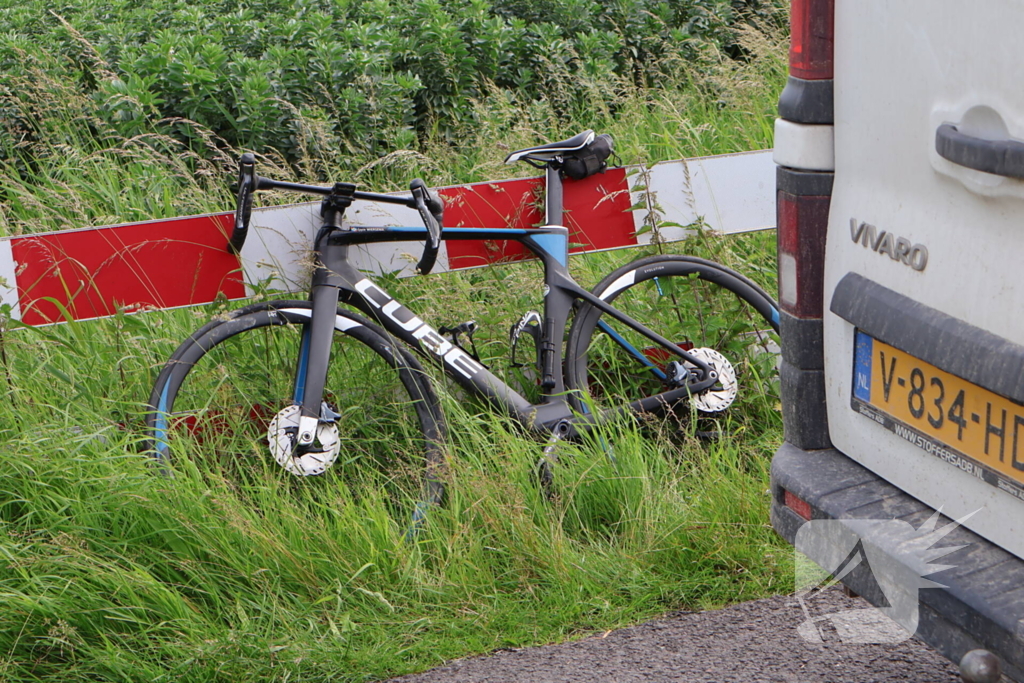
(335, 279)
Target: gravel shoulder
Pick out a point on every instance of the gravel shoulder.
(752, 641)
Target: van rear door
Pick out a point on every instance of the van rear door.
(924, 327)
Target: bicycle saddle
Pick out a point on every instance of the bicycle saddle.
(552, 149)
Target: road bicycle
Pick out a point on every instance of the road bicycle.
(318, 384)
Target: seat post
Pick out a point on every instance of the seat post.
(553, 197)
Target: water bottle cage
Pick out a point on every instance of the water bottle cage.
(530, 324)
(467, 328)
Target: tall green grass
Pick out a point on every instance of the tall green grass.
(109, 571)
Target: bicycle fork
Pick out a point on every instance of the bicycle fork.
(314, 358)
(318, 336)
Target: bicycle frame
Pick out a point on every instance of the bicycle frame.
(336, 279)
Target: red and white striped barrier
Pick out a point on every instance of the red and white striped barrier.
(93, 272)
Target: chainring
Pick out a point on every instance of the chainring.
(281, 435)
(721, 395)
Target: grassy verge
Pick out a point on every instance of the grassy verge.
(109, 572)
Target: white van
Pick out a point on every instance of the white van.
(900, 153)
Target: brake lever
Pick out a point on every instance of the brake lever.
(431, 210)
(248, 182)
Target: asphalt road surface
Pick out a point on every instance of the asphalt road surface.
(750, 642)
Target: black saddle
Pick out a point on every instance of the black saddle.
(552, 150)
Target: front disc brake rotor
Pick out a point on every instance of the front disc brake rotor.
(721, 395)
(282, 434)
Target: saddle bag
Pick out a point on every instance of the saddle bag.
(590, 160)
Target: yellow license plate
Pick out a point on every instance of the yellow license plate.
(960, 423)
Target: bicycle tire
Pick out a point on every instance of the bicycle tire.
(194, 401)
(607, 362)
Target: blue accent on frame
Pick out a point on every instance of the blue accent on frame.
(418, 515)
(481, 231)
(555, 244)
(609, 452)
(775, 316)
(862, 354)
(511, 232)
(160, 428)
(300, 375)
(633, 351)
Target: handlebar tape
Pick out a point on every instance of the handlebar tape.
(247, 184)
(431, 210)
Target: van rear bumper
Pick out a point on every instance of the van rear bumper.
(982, 603)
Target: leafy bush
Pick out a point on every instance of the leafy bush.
(376, 75)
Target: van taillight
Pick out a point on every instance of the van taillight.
(803, 222)
(811, 29)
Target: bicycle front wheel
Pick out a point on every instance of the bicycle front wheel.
(228, 394)
(707, 309)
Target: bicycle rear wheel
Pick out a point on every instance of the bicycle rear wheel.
(228, 392)
(710, 310)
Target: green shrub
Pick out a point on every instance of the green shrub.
(378, 74)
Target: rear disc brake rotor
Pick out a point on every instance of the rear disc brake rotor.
(281, 435)
(721, 395)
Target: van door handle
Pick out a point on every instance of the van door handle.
(1000, 157)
